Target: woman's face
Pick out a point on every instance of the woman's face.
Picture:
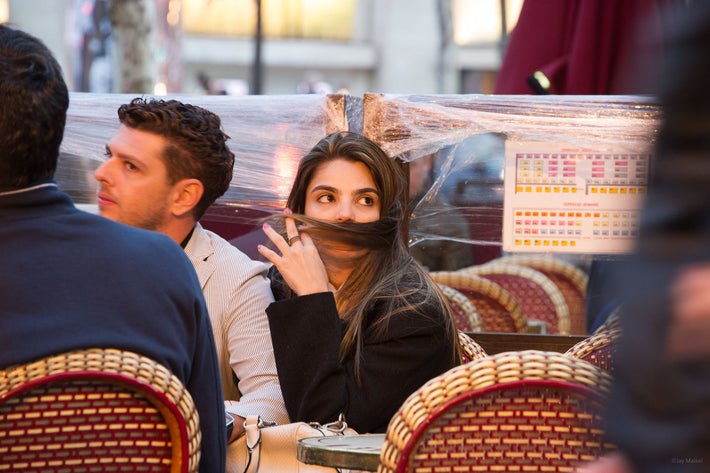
(343, 191)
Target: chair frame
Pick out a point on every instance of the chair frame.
(470, 350)
(127, 372)
(543, 263)
(599, 341)
(463, 282)
(556, 299)
(570, 279)
(458, 300)
(527, 369)
(612, 322)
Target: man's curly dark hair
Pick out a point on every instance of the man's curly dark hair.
(197, 145)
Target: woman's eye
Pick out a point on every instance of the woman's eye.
(367, 200)
(130, 166)
(325, 198)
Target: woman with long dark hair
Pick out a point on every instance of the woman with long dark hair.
(357, 325)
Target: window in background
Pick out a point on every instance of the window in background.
(305, 19)
(480, 21)
(477, 81)
(4, 11)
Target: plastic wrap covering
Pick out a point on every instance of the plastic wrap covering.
(458, 204)
(454, 147)
(268, 135)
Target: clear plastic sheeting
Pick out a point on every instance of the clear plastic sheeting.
(453, 146)
(457, 212)
(268, 135)
(418, 125)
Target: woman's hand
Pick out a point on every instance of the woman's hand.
(299, 263)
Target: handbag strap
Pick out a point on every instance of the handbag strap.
(252, 428)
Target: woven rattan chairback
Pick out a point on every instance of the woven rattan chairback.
(571, 281)
(513, 411)
(539, 297)
(613, 321)
(598, 349)
(499, 311)
(96, 410)
(465, 313)
(470, 350)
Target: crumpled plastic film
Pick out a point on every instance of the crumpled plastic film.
(268, 135)
(455, 143)
(417, 125)
(464, 136)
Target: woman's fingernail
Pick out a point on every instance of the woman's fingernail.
(287, 211)
(266, 225)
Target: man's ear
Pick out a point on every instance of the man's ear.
(187, 194)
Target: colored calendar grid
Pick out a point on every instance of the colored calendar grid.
(572, 200)
(563, 172)
(569, 229)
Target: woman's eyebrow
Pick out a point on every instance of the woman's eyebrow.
(366, 190)
(323, 187)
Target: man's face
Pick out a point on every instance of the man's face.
(133, 182)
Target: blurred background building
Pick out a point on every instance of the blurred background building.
(272, 46)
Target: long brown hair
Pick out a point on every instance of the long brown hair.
(378, 275)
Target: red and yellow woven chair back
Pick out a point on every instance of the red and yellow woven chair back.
(470, 350)
(96, 410)
(570, 280)
(499, 311)
(513, 411)
(465, 313)
(537, 295)
(612, 322)
(599, 348)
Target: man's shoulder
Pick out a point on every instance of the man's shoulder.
(227, 254)
(120, 231)
(134, 243)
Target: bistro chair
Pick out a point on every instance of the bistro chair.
(538, 297)
(613, 321)
(599, 348)
(499, 311)
(470, 350)
(569, 279)
(96, 410)
(465, 313)
(513, 411)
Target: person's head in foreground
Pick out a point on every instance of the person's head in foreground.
(33, 109)
(168, 162)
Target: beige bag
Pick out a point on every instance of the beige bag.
(270, 448)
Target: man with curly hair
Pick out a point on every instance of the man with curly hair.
(168, 162)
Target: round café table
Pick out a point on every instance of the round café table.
(354, 452)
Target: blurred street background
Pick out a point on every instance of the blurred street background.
(240, 47)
